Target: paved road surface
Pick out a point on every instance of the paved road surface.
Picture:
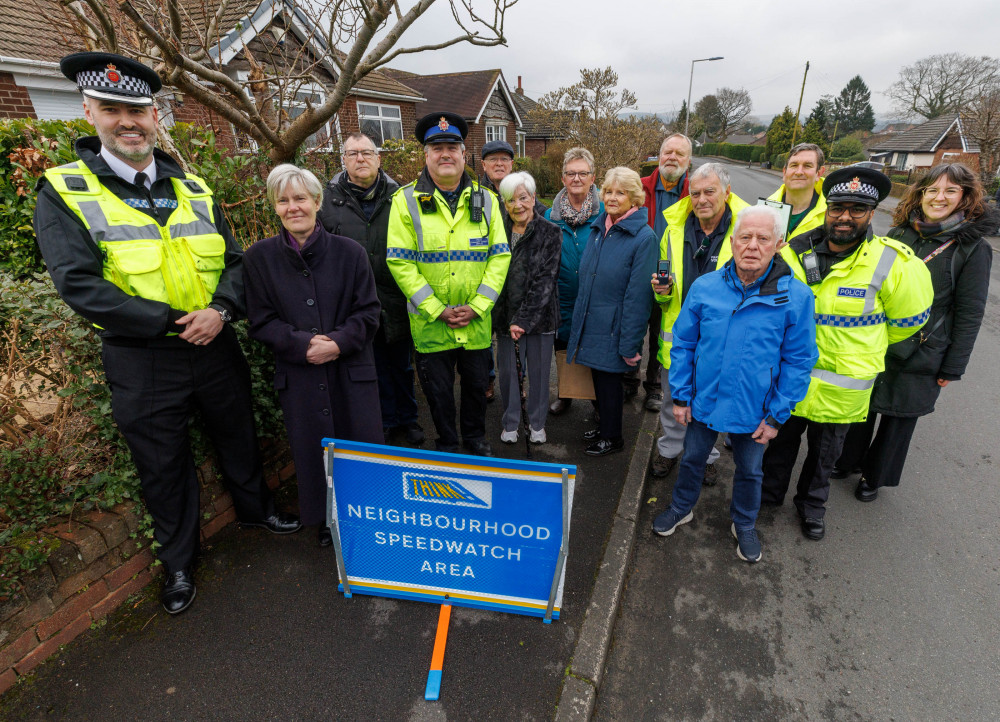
(892, 617)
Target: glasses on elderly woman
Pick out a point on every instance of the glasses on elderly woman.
(578, 174)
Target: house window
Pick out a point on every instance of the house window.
(295, 106)
(495, 132)
(520, 144)
(244, 142)
(380, 122)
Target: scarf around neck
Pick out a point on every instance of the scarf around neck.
(927, 229)
(576, 218)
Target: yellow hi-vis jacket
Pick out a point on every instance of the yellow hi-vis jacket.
(442, 260)
(672, 249)
(879, 295)
(178, 264)
(813, 219)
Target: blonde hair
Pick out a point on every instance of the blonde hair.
(626, 179)
(287, 174)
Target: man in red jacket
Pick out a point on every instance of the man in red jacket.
(664, 186)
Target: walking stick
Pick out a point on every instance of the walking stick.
(520, 393)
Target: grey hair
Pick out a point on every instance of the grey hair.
(682, 137)
(771, 213)
(716, 169)
(286, 175)
(427, 146)
(578, 153)
(513, 181)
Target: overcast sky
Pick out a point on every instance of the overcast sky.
(650, 43)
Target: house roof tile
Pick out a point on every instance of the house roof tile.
(464, 93)
(922, 139)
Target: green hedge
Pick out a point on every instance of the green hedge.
(64, 455)
(747, 153)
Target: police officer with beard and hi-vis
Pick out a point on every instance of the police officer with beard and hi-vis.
(870, 292)
(141, 250)
(448, 251)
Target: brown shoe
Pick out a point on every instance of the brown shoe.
(662, 466)
(711, 475)
(490, 392)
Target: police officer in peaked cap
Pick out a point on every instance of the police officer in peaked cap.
(141, 250)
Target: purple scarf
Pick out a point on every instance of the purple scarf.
(927, 229)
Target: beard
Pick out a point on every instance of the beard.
(672, 174)
(133, 153)
(847, 238)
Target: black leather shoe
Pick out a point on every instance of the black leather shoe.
(839, 473)
(325, 536)
(813, 528)
(603, 447)
(711, 477)
(592, 435)
(865, 490)
(278, 523)
(178, 592)
(560, 406)
(414, 434)
(479, 447)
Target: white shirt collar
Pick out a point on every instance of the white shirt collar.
(126, 172)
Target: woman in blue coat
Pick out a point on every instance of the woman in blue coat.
(612, 307)
(573, 210)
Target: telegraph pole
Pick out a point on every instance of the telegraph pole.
(795, 128)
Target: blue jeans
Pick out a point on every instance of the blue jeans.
(747, 454)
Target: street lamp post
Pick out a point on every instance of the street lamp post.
(687, 118)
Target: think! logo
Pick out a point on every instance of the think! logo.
(424, 487)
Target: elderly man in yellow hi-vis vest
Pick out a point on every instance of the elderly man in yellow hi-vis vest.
(870, 292)
(448, 251)
(802, 189)
(141, 250)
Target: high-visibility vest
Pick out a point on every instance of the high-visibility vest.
(813, 219)
(179, 263)
(672, 249)
(880, 295)
(442, 260)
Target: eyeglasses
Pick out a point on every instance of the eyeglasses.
(949, 193)
(578, 174)
(366, 154)
(836, 210)
(498, 159)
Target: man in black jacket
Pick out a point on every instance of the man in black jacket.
(356, 205)
(142, 251)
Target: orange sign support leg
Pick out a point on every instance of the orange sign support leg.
(433, 690)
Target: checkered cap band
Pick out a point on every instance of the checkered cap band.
(128, 85)
(863, 189)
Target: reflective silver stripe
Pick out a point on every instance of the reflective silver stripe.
(882, 269)
(488, 205)
(202, 210)
(101, 230)
(844, 382)
(414, 209)
(488, 292)
(420, 296)
(194, 228)
(666, 336)
(411, 309)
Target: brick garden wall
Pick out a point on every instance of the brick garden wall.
(97, 566)
(14, 100)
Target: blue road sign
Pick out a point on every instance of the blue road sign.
(449, 529)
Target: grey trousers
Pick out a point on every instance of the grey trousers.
(671, 444)
(536, 360)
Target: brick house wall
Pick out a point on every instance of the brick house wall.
(14, 100)
(497, 112)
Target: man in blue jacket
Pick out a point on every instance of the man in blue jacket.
(750, 323)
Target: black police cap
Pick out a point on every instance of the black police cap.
(442, 128)
(855, 184)
(108, 76)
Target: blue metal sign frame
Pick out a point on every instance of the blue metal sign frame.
(446, 528)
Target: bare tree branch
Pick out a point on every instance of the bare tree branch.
(940, 84)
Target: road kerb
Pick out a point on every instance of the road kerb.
(579, 693)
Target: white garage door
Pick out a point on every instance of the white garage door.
(56, 104)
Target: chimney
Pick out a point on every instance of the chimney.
(520, 90)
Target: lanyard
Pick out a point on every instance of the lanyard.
(940, 249)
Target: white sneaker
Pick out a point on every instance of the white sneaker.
(538, 437)
(509, 437)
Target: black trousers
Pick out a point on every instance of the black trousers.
(437, 378)
(154, 392)
(825, 441)
(881, 460)
(610, 402)
(651, 381)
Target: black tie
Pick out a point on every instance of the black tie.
(140, 179)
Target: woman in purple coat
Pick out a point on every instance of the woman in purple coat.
(311, 298)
